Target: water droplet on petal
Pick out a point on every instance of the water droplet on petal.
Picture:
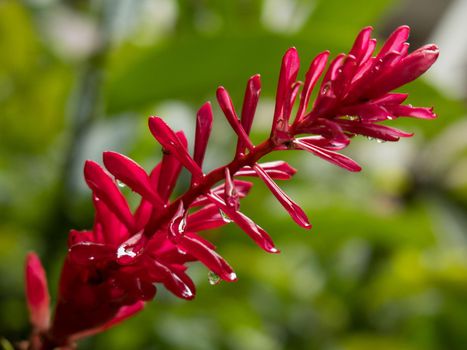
(213, 278)
(225, 217)
(187, 293)
(370, 138)
(326, 88)
(128, 251)
(380, 141)
(390, 117)
(125, 255)
(120, 184)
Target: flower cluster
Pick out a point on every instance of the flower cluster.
(113, 269)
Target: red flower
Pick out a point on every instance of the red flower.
(113, 269)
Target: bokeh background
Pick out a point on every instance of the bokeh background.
(385, 265)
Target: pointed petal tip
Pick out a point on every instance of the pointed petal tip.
(274, 250)
(232, 277)
(291, 53)
(255, 81)
(402, 32)
(404, 27)
(206, 109)
(90, 168)
(307, 226)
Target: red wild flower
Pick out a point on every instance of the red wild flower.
(112, 270)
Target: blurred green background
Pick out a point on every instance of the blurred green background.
(385, 265)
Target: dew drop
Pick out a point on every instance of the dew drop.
(187, 293)
(120, 184)
(389, 117)
(326, 88)
(213, 278)
(380, 141)
(370, 138)
(225, 217)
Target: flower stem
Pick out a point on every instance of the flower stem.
(207, 182)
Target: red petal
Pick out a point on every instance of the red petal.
(344, 77)
(277, 170)
(75, 237)
(231, 196)
(89, 253)
(360, 46)
(368, 110)
(171, 167)
(227, 107)
(322, 142)
(416, 112)
(369, 51)
(374, 130)
(312, 75)
(206, 218)
(289, 102)
(171, 280)
(408, 69)
(326, 97)
(330, 156)
(395, 41)
(169, 141)
(250, 101)
(292, 208)
(391, 98)
(246, 224)
(113, 231)
(105, 189)
(203, 130)
(37, 293)
(208, 257)
(289, 70)
(131, 249)
(132, 174)
(177, 224)
(142, 214)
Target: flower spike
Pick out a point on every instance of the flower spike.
(111, 271)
